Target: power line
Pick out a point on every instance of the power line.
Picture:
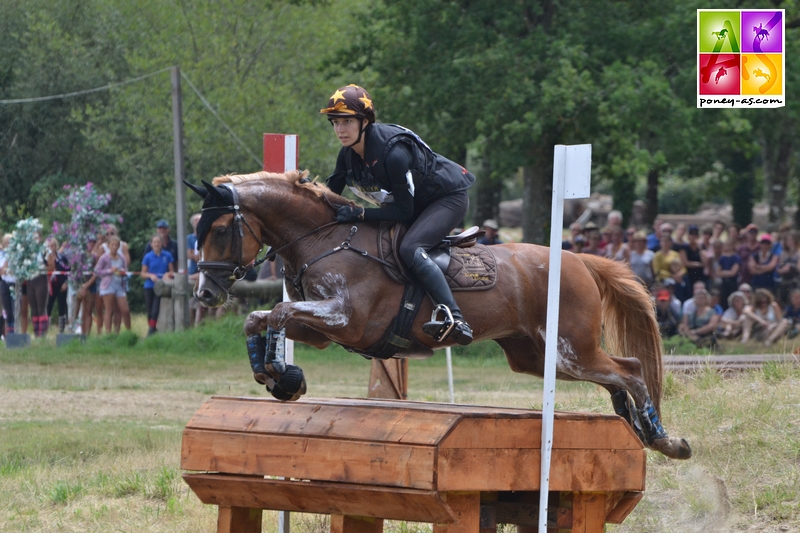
(79, 93)
(214, 112)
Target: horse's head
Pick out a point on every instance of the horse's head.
(227, 242)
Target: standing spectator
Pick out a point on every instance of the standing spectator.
(706, 237)
(169, 245)
(734, 231)
(746, 249)
(716, 230)
(87, 292)
(701, 325)
(614, 218)
(593, 239)
(6, 282)
(617, 249)
(787, 273)
(762, 264)
(679, 237)
(575, 230)
(156, 264)
(641, 259)
(57, 267)
(761, 318)
(732, 320)
(109, 232)
(668, 320)
(692, 257)
(727, 269)
(37, 294)
(491, 227)
(112, 269)
(192, 254)
(664, 257)
(711, 260)
(654, 239)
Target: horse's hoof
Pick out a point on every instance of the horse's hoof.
(672, 447)
(290, 386)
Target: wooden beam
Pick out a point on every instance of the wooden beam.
(356, 524)
(238, 520)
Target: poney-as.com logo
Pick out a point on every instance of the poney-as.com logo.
(740, 58)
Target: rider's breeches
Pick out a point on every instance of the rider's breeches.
(434, 223)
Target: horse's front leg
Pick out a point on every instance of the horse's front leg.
(258, 322)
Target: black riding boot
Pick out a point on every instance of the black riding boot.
(433, 281)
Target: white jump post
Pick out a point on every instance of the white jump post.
(572, 167)
(281, 154)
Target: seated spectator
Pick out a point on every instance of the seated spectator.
(732, 320)
(787, 272)
(641, 259)
(791, 315)
(747, 290)
(689, 305)
(762, 318)
(701, 325)
(762, 264)
(491, 227)
(674, 302)
(668, 320)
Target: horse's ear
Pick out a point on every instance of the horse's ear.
(200, 191)
(213, 190)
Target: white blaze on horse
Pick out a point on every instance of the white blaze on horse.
(341, 292)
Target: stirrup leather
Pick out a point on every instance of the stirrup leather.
(440, 329)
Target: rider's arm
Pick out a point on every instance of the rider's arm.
(397, 163)
(337, 181)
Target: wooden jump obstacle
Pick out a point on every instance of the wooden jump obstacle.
(462, 468)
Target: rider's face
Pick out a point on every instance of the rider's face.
(346, 129)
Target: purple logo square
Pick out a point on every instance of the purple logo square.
(762, 31)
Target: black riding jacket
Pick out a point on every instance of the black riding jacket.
(399, 172)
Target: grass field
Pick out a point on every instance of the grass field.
(90, 434)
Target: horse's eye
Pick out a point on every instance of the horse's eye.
(221, 231)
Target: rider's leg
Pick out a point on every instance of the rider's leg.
(434, 223)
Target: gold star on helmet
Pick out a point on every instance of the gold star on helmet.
(367, 102)
(338, 95)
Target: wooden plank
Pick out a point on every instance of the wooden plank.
(320, 498)
(395, 465)
(588, 512)
(606, 432)
(238, 520)
(571, 470)
(466, 508)
(356, 524)
(355, 422)
(623, 507)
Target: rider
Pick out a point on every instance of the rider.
(390, 166)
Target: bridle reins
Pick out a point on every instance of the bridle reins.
(238, 271)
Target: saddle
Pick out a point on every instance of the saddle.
(466, 265)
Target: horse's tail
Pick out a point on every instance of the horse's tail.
(630, 328)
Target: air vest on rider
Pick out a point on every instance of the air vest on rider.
(432, 175)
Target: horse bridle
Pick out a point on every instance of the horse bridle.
(237, 270)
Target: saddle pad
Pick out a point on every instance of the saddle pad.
(473, 268)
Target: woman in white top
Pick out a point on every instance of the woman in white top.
(641, 259)
(762, 318)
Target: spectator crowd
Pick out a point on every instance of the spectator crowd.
(710, 282)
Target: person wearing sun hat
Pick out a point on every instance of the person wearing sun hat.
(391, 167)
(762, 264)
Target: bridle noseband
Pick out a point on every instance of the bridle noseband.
(237, 270)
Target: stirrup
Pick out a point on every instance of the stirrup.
(441, 330)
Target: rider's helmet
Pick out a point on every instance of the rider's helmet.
(350, 101)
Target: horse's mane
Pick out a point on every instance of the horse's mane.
(299, 178)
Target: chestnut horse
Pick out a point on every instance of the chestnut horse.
(341, 293)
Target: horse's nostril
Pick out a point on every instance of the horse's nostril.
(204, 294)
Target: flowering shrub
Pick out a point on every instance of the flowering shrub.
(25, 249)
(86, 205)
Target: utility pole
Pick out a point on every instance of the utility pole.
(180, 290)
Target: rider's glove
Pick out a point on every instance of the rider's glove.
(349, 213)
